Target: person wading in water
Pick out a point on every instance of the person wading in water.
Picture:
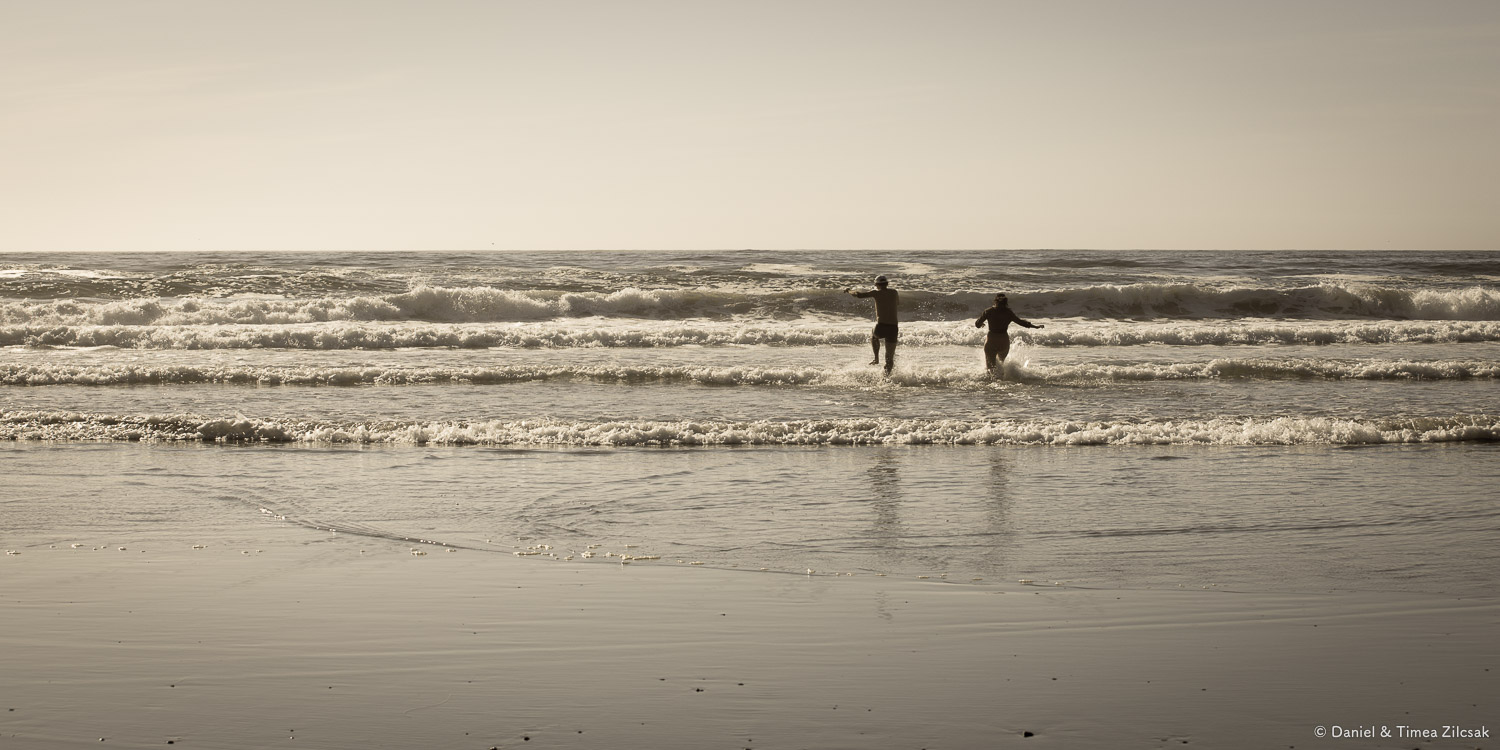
(997, 343)
(886, 302)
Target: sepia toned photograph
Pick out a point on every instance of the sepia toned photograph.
(749, 375)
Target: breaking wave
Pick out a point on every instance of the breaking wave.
(74, 426)
(590, 334)
(435, 304)
(1260, 368)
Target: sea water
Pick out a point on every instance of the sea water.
(1280, 421)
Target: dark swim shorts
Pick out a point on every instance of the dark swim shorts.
(885, 331)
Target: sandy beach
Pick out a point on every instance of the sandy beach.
(299, 639)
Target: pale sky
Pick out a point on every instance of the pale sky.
(699, 124)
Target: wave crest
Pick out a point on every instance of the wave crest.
(242, 429)
(491, 305)
(575, 334)
(948, 376)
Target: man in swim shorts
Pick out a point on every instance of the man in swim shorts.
(997, 343)
(886, 302)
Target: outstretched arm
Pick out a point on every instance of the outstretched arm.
(1024, 323)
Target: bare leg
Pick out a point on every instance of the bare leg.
(995, 351)
(875, 344)
(890, 355)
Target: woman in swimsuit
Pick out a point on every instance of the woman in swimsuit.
(997, 344)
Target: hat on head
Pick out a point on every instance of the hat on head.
(881, 281)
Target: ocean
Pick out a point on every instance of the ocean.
(1256, 421)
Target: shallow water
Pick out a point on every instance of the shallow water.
(1304, 519)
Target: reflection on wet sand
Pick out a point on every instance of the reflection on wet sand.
(885, 490)
(997, 515)
(979, 521)
(888, 533)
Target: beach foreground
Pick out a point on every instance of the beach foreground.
(295, 638)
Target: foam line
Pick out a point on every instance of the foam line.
(1257, 368)
(482, 304)
(72, 426)
(338, 335)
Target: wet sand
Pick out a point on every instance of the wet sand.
(348, 642)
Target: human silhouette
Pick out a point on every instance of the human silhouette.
(997, 343)
(886, 302)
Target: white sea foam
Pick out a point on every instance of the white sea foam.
(787, 269)
(600, 332)
(951, 376)
(17, 425)
(1327, 300)
(1155, 301)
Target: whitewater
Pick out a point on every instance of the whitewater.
(717, 405)
(1131, 339)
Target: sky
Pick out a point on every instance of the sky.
(776, 124)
